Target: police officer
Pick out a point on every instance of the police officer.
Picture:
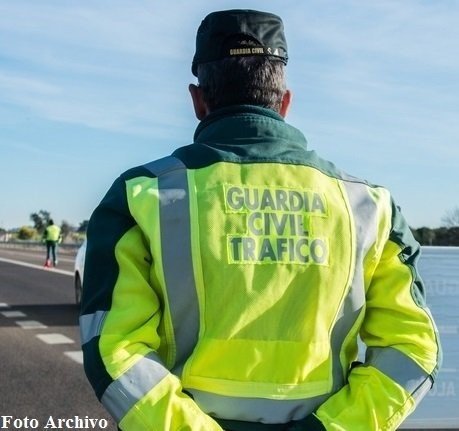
(51, 237)
(226, 284)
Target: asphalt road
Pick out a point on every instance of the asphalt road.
(41, 373)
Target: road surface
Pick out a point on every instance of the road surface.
(42, 376)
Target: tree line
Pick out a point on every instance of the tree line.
(446, 235)
(40, 220)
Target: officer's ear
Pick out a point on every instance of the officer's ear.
(200, 107)
(285, 104)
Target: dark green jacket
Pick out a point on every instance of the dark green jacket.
(226, 286)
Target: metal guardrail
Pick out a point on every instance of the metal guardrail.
(67, 248)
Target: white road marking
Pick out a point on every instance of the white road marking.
(75, 356)
(13, 313)
(31, 265)
(30, 324)
(54, 339)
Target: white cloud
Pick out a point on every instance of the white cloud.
(380, 72)
(105, 64)
(383, 72)
(11, 84)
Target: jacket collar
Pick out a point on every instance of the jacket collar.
(239, 123)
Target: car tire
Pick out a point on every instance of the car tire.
(78, 289)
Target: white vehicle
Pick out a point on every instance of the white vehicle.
(79, 272)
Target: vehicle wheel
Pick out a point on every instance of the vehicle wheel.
(78, 289)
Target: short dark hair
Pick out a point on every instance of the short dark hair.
(248, 80)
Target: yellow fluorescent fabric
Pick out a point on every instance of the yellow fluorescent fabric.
(272, 313)
(390, 300)
(241, 270)
(176, 411)
(368, 391)
(52, 233)
(135, 326)
(286, 379)
(143, 200)
(389, 304)
(130, 328)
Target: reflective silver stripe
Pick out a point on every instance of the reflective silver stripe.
(162, 166)
(400, 368)
(255, 409)
(91, 325)
(133, 385)
(364, 213)
(363, 210)
(388, 360)
(175, 228)
(422, 390)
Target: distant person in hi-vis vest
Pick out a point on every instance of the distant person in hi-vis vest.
(226, 285)
(51, 237)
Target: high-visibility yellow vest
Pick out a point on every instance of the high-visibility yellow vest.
(231, 281)
(52, 233)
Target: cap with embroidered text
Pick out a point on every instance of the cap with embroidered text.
(239, 32)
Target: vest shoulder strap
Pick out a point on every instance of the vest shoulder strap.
(164, 165)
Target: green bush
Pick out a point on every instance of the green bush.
(26, 232)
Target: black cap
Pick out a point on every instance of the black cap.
(225, 34)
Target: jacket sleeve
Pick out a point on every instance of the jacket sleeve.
(402, 346)
(119, 325)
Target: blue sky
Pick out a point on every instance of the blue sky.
(89, 89)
